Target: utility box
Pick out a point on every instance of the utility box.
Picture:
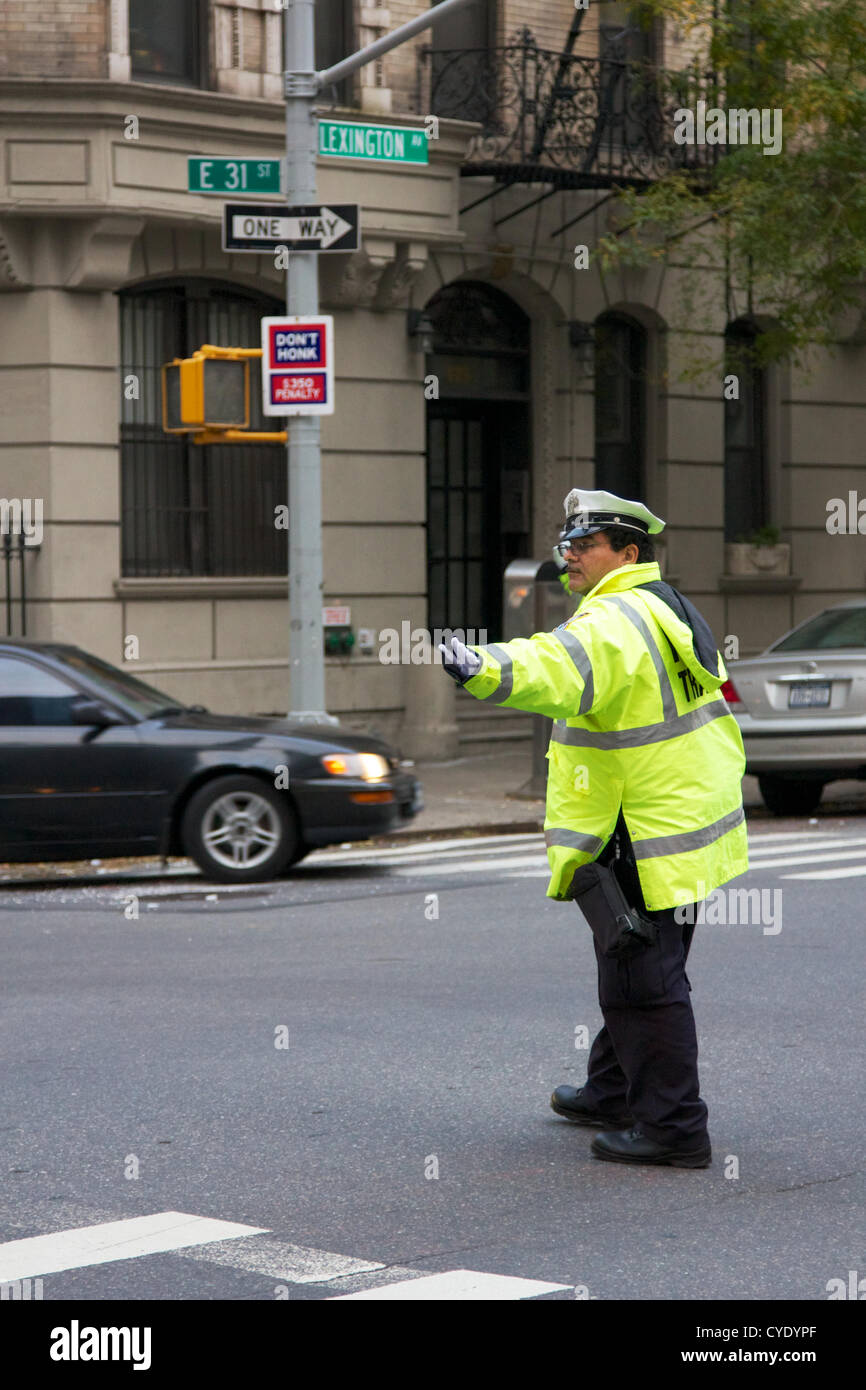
(534, 600)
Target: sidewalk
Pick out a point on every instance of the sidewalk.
(477, 794)
(482, 793)
(473, 793)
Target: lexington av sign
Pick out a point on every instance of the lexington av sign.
(393, 144)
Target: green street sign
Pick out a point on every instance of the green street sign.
(393, 144)
(222, 175)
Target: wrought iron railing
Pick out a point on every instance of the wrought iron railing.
(576, 122)
(13, 551)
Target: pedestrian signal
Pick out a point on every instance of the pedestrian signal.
(202, 392)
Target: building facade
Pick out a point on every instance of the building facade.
(482, 369)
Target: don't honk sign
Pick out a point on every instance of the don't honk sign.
(298, 365)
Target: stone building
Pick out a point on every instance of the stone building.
(481, 371)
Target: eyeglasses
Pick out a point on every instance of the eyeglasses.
(578, 546)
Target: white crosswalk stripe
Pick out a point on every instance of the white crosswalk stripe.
(463, 1284)
(251, 1250)
(852, 871)
(111, 1240)
(523, 856)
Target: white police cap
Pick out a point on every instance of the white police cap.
(588, 512)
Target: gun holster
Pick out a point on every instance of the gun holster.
(619, 929)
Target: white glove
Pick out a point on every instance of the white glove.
(459, 661)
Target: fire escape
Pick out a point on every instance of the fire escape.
(563, 121)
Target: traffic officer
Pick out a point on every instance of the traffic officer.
(644, 774)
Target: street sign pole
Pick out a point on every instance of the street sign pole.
(306, 645)
(302, 83)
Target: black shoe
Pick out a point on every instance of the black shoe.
(630, 1146)
(569, 1103)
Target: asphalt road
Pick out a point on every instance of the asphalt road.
(359, 1072)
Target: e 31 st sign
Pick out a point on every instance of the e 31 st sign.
(223, 175)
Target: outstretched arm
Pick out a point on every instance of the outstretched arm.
(550, 673)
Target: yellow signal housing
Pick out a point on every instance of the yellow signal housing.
(210, 390)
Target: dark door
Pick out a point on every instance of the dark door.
(478, 453)
(67, 788)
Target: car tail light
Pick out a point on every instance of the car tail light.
(729, 691)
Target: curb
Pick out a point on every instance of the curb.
(404, 837)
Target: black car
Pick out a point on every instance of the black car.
(95, 762)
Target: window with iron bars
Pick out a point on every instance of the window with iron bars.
(188, 509)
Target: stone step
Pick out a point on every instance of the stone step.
(484, 728)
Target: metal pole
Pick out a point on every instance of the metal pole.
(302, 82)
(306, 652)
(7, 556)
(22, 584)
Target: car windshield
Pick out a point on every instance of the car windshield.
(834, 628)
(143, 700)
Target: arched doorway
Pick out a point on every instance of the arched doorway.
(478, 453)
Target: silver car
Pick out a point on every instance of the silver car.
(801, 708)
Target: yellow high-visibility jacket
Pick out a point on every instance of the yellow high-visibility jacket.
(640, 722)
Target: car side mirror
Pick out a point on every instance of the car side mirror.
(94, 712)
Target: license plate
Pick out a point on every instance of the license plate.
(808, 694)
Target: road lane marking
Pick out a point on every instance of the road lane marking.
(810, 858)
(759, 836)
(466, 1285)
(473, 866)
(839, 843)
(853, 871)
(277, 1259)
(113, 1240)
(468, 844)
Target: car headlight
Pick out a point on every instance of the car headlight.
(370, 767)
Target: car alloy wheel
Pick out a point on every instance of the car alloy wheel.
(237, 829)
(241, 830)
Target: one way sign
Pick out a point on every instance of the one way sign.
(265, 226)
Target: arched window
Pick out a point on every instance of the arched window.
(187, 509)
(746, 481)
(620, 413)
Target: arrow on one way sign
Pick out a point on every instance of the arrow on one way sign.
(265, 226)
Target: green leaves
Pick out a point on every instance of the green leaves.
(788, 231)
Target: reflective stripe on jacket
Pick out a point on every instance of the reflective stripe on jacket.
(640, 722)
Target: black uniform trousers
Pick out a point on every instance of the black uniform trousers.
(645, 1059)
